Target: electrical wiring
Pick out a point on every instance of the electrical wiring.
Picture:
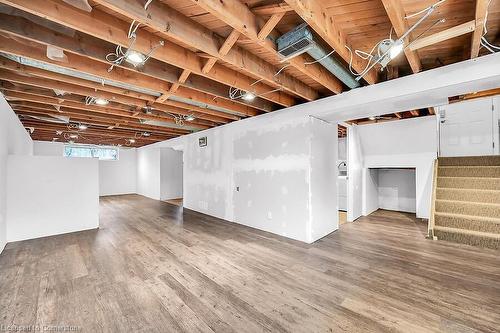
(425, 9)
(320, 59)
(484, 42)
(116, 58)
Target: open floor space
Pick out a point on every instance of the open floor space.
(152, 267)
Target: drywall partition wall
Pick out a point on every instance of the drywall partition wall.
(324, 217)
(397, 190)
(409, 143)
(257, 172)
(59, 195)
(271, 176)
(355, 174)
(371, 191)
(148, 172)
(171, 166)
(46, 148)
(119, 177)
(13, 140)
(115, 177)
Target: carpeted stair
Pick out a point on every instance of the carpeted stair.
(467, 200)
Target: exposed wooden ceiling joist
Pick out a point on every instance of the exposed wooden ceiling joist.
(319, 18)
(396, 14)
(185, 30)
(92, 48)
(240, 17)
(114, 30)
(480, 14)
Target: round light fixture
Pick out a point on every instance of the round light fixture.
(190, 117)
(131, 140)
(101, 101)
(372, 118)
(135, 58)
(82, 127)
(146, 134)
(248, 96)
(396, 49)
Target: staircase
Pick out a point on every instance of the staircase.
(466, 207)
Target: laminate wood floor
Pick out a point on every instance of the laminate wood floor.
(151, 268)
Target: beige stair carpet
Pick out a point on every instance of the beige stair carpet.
(467, 203)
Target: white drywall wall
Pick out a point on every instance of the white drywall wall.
(409, 143)
(355, 173)
(115, 177)
(50, 195)
(119, 177)
(210, 172)
(397, 190)
(324, 217)
(171, 173)
(148, 173)
(258, 173)
(370, 188)
(13, 140)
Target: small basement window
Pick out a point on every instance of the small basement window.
(105, 154)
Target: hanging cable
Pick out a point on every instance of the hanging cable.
(320, 59)
(483, 41)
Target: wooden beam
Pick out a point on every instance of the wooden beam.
(99, 69)
(106, 112)
(110, 28)
(415, 113)
(223, 50)
(316, 14)
(481, 8)
(270, 24)
(237, 15)
(455, 31)
(229, 42)
(96, 49)
(272, 9)
(187, 31)
(82, 91)
(431, 110)
(484, 93)
(396, 14)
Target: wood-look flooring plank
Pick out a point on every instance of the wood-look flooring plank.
(154, 267)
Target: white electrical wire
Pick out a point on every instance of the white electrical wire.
(320, 59)
(425, 9)
(483, 41)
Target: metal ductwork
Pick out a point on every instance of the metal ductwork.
(301, 40)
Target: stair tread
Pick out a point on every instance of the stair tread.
(468, 232)
(471, 202)
(468, 166)
(466, 189)
(472, 217)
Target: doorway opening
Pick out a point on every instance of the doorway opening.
(171, 176)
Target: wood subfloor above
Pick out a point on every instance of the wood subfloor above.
(153, 268)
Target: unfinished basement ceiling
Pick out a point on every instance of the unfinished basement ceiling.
(211, 62)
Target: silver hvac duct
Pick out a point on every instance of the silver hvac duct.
(301, 40)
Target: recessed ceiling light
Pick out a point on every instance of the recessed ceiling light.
(101, 101)
(372, 118)
(190, 117)
(135, 58)
(82, 127)
(131, 140)
(248, 96)
(146, 134)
